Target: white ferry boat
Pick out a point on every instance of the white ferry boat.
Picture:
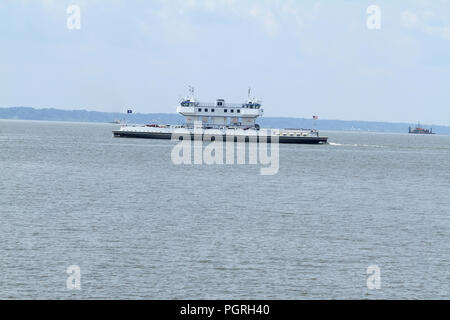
(210, 120)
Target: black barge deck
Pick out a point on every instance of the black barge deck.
(207, 137)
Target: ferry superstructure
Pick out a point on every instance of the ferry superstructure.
(221, 118)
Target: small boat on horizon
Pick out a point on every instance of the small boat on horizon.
(419, 130)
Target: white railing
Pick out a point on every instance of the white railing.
(224, 105)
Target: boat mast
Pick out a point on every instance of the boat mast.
(191, 92)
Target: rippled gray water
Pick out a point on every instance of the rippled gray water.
(141, 227)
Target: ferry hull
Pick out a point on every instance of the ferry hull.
(166, 135)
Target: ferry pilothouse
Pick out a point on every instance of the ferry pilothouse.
(221, 118)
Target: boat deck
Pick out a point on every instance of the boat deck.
(294, 138)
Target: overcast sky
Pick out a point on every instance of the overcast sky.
(302, 58)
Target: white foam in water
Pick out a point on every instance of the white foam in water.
(368, 145)
(355, 145)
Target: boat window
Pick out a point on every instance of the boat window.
(225, 110)
(199, 109)
(238, 111)
(212, 110)
(231, 110)
(206, 109)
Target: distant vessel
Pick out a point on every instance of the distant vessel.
(420, 130)
(220, 118)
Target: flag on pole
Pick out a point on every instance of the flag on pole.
(315, 117)
(129, 111)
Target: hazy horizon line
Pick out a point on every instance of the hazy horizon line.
(265, 117)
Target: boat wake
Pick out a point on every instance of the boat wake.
(356, 145)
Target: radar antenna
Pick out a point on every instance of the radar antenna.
(191, 91)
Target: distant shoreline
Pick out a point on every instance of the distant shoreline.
(51, 114)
